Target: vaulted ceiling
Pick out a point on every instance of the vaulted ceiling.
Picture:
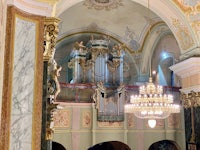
(128, 18)
(180, 16)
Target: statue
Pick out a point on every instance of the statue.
(53, 84)
(55, 75)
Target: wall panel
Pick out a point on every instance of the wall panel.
(22, 93)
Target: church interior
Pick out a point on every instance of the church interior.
(99, 74)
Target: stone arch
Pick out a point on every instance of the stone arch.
(150, 44)
(175, 17)
(82, 34)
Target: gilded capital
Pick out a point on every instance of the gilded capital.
(50, 34)
(191, 99)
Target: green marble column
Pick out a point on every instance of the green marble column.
(44, 143)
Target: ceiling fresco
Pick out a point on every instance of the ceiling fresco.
(129, 22)
(118, 16)
(189, 7)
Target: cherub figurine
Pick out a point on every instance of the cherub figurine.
(79, 46)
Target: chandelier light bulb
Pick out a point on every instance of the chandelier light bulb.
(152, 123)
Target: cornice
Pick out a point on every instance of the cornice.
(51, 2)
(189, 89)
(187, 67)
(33, 7)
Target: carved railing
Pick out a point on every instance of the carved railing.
(84, 92)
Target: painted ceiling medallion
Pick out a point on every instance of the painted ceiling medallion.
(103, 4)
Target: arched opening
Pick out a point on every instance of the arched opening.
(57, 146)
(165, 75)
(164, 144)
(110, 145)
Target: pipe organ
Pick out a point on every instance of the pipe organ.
(101, 64)
(98, 62)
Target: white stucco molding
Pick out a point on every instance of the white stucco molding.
(191, 52)
(187, 67)
(195, 88)
(150, 45)
(33, 7)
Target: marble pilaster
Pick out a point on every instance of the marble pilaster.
(21, 103)
(2, 44)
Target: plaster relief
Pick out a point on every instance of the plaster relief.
(182, 33)
(62, 118)
(196, 27)
(131, 120)
(174, 121)
(86, 121)
(189, 7)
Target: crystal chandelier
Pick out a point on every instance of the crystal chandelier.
(152, 104)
